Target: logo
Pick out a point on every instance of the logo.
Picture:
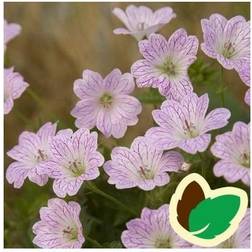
(203, 216)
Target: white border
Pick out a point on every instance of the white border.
(2, 136)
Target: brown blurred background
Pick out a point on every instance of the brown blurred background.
(60, 40)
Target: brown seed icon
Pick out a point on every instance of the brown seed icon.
(192, 195)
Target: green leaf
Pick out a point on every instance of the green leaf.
(212, 217)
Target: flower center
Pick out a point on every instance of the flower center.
(70, 233)
(167, 68)
(141, 26)
(146, 173)
(245, 160)
(76, 168)
(106, 100)
(228, 50)
(162, 243)
(41, 156)
(190, 130)
(228, 243)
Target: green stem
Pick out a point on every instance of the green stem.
(95, 243)
(41, 103)
(222, 87)
(202, 162)
(34, 96)
(22, 117)
(95, 189)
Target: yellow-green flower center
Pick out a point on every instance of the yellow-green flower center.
(167, 68)
(245, 160)
(162, 243)
(70, 233)
(106, 100)
(190, 130)
(228, 50)
(146, 173)
(76, 168)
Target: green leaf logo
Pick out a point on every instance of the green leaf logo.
(203, 216)
(210, 217)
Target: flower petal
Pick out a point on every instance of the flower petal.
(197, 144)
(216, 119)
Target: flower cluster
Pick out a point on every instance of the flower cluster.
(183, 122)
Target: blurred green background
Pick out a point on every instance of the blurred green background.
(60, 40)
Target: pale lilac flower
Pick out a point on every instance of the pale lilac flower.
(142, 165)
(165, 63)
(32, 150)
(234, 151)
(60, 226)
(185, 124)
(247, 97)
(142, 21)
(241, 238)
(107, 103)
(152, 230)
(11, 30)
(244, 73)
(14, 86)
(74, 159)
(228, 41)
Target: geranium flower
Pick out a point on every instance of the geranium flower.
(142, 21)
(244, 73)
(74, 160)
(11, 30)
(234, 151)
(59, 226)
(106, 103)
(228, 41)
(14, 86)
(185, 124)
(165, 63)
(152, 230)
(32, 150)
(142, 165)
(241, 238)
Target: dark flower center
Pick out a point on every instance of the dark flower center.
(106, 100)
(41, 156)
(76, 168)
(146, 173)
(70, 233)
(162, 243)
(228, 50)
